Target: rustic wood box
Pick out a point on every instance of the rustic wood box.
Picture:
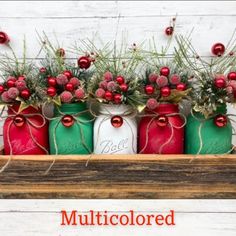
(120, 176)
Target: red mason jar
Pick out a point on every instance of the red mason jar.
(161, 131)
(25, 132)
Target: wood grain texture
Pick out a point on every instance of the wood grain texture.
(118, 176)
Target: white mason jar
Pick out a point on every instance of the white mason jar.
(115, 140)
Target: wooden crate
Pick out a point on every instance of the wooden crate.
(120, 176)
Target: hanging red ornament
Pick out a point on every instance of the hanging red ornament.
(165, 71)
(67, 120)
(22, 77)
(68, 74)
(19, 120)
(4, 39)
(218, 49)
(11, 83)
(69, 87)
(108, 96)
(117, 121)
(149, 89)
(117, 98)
(25, 94)
(165, 91)
(232, 75)
(162, 121)
(2, 89)
(220, 120)
(42, 70)
(51, 91)
(52, 81)
(124, 87)
(120, 79)
(84, 62)
(169, 30)
(60, 52)
(181, 86)
(220, 83)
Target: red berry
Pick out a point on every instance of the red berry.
(2, 89)
(117, 98)
(52, 81)
(165, 71)
(124, 87)
(68, 74)
(22, 77)
(165, 91)
(108, 96)
(84, 62)
(169, 30)
(69, 87)
(42, 70)
(51, 91)
(232, 75)
(25, 94)
(120, 79)
(11, 83)
(220, 83)
(149, 89)
(181, 86)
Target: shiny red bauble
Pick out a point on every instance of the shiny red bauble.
(52, 81)
(181, 86)
(84, 62)
(165, 71)
(117, 98)
(69, 87)
(232, 75)
(61, 52)
(11, 83)
(124, 87)
(4, 39)
(169, 30)
(165, 91)
(117, 121)
(51, 91)
(220, 83)
(108, 96)
(120, 79)
(162, 120)
(19, 120)
(22, 77)
(68, 74)
(67, 120)
(25, 94)
(220, 121)
(42, 70)
(218, 49)
(149, 89)
(2, 89)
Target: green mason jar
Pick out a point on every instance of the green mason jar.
(215, 140)
(71, 130)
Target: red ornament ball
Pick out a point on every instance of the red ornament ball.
(117, 98)
(84, 62)
(220, 83)
(165, 91)
(51, 91)
(67, 120)
(169, 30)
(162, 121)
(108, 96)
(218, 49)
(69, 87)
(181, 86)
(124, 87)
(22, 77)
(1, 89)
(25, 94)
(68, 74)
(4, 39)
(116, 121)
(42, 70)
(165, 71)
(232, 75)
(19, 120)
(11, 83)
(60, 52)
(149, 89)
(120, 79)
(220, 121)
(52, 81)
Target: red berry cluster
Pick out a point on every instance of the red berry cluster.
(66, 85)
(14, 87)
(112, 88)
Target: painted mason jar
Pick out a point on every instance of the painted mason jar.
(161, 131)
(25, 132)
(115, 130)
(206, 136)
(71, 130)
